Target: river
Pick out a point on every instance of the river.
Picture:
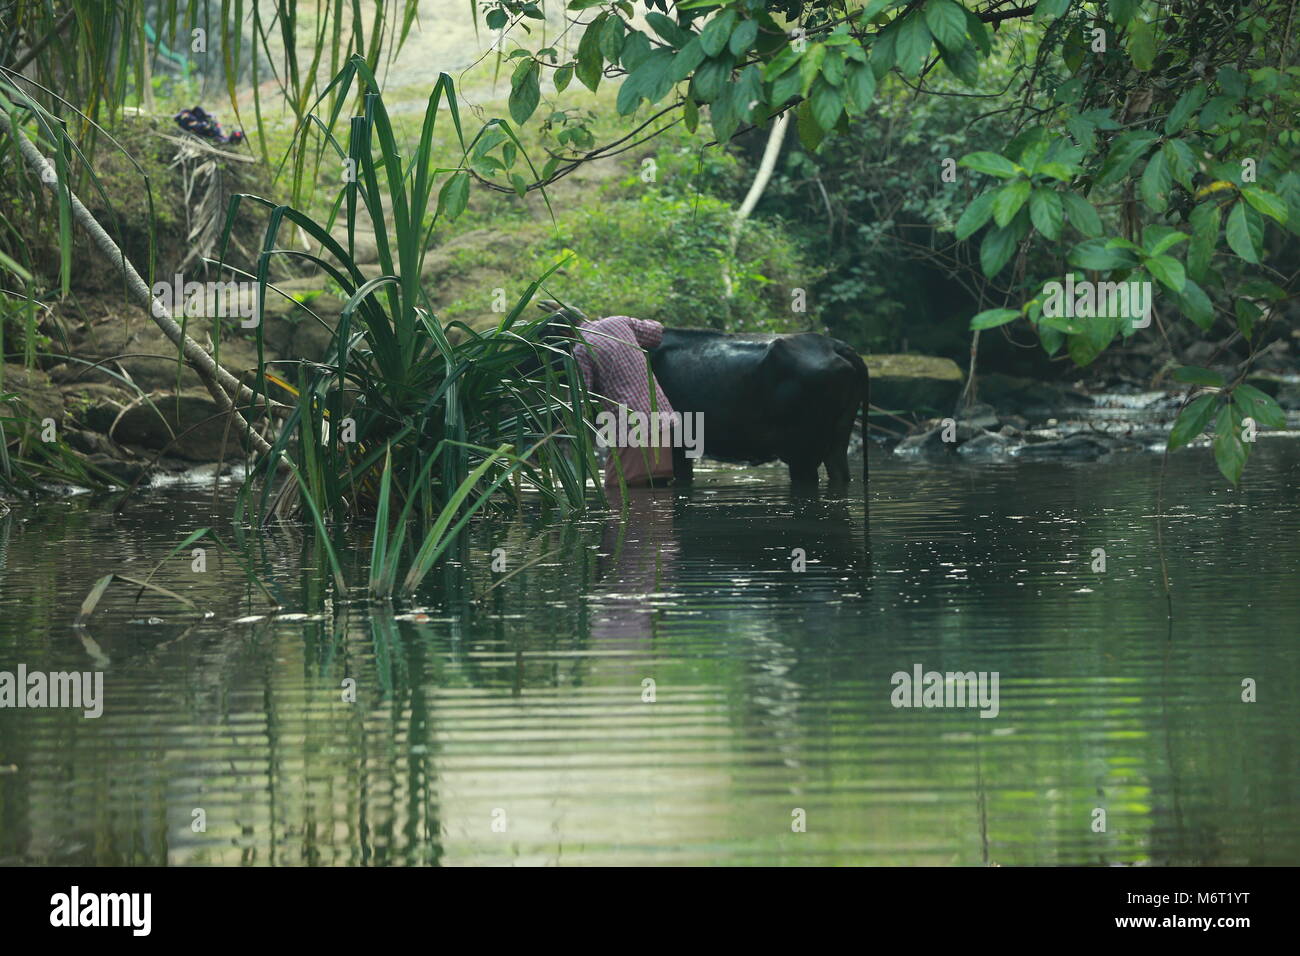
(709, 680)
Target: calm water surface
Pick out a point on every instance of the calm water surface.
(511, 724)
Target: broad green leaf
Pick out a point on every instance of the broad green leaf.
(991, 163)
(1196, 305)
(963, 63)
(667, 29)
(1125, 151)
(1094, 255)
(724, 115)
(742, 38)
(1009, 199)
(810, 132)
(1187, 104)
(650, 81)
(612, 36)
(861, 86)
(1181, 162)
(1122, 11)
(833, 67)
(1192, 421)
(1248, 313)
(827, 104)
(636, 47)
(997, 248)
(688, 58)
(946, 22)
(1051, 339)
(1168, 271)
(810, 67)
(691, 115)
(590, 60)
(718, 32)
(1261, 289)
(1216, 111)
(1058, 171)
(779, 64)
(454, 195)
(1205, 236)
(976, 214)
(1046, 212)
(1245, 232)
(992, 318)
(1266, 202)
(711, 79)
(525, 92)
(1156, 182)
(913, 44)
(1229, 450)
(1142, 45)
(1260, 406)
(1082, 214)
(1157, 239)
(978, 33)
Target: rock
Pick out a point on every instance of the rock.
(365, 248)
(102, 413)
(931, 443)
(88, 442)
(149, 357)
(913, 382)
(1288, 396)
(1078, 447)
(979, 415)
(125, 472)
(991, 445)
(1027, 397)
(35, 391)
(195, 419)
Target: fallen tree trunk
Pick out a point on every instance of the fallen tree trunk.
(220, 383)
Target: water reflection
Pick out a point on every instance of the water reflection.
(684, 683)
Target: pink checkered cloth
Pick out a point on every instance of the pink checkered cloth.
(611, 356)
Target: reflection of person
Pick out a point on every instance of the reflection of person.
(639, 553)
(611, 355)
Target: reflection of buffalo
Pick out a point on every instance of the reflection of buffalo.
(767, 397)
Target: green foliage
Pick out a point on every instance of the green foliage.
(1178, 117)
(398, 415)
(1237, 412)
(648, 254)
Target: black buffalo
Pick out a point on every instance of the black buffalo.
(767, 397)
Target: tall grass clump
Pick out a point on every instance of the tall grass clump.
(400, 423)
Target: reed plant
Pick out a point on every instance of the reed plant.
(407, 422)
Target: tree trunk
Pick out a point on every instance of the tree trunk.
(765, 169)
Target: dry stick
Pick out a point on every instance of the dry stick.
(219, 382)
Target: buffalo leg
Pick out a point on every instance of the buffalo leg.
(837, 455)
(803, 474)
(837, 470)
